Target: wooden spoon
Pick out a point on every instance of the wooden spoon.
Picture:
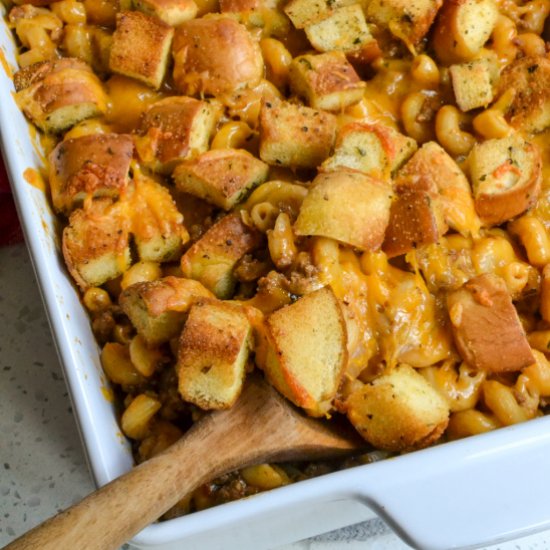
(261, 427)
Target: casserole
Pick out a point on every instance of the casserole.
(457, 495)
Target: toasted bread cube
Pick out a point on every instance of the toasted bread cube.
(175, 128)
(158, 309)
(486, 328)
(462, 29)
(433, 170)
(157, 224)
(305, 12)
(141, 47)
(529, 80)
(375, 149)
(172, 12)
(506, 176)
(96, 244)
(327, 81)
(348, 206)
(212, 258)
(306, 350)
(472, 84)
(215, 55)
(295, 136)
(221, 176)
(406, 20)
(58, 94)
(416, 219)
(94, 166)
(212, 354)
(398, 411)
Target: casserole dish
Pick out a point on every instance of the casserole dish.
(462, 494)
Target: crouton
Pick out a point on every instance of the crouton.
(462, 29)
(506, 177)
(212, 354)
(327, 81)
(215, 55)
(294, 135)
(305, 350)
(408, 21)
(172, 12)
(375, 149)
(221, 176)
(176, 128)
(305, 12)
(58, 94)
(486, 328)
(94, 166)
(158, 309)
(348, 206)
(96, 244)
(433, 170)
(472, 84)
(346, 30)
(141, 47)
(528, 79)
(212, 258)
(398, 411)
(416, 219)
(157, 224)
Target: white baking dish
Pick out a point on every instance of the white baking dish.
(468, 493)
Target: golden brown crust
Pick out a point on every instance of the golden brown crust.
(486, 327)
(172, 12)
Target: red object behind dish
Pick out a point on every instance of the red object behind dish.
(10, 230)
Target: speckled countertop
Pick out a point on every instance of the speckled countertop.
(42, 466)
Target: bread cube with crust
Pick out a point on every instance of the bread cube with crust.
(294, 135)
(174, 129)
(528, 81)
(305, 350)
(141, 47)
(472, 84)
(374, 149)
(327, 81)
(215, 55)
(305, 12)
(212, 258)
(94, 165)
(55, 95)
(157, 224)
(95, 243)
(221, 176)
(158, 309)
(398, 411)
(212, 354)
(348, 206)
(506, 177)
(486, 328)
(172, 12)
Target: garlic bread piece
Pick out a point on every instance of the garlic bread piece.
(94, 165)
(506, 178)
(222, 177)
(398, 411)
(141, 47)
(294, 135)
(472, 84)
(172, 12)
(375, 149)
(213, 353)
(528, 81)
(347, 206)
(158, 309)
(95, 243)
(327, 81)
(55, 95)
(462, 29)
(215, 55)
(486, 328)
(306, 350)
(212, 258)
(305, 12)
